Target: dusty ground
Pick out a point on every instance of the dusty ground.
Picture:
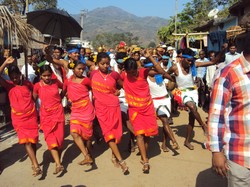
(175, 168)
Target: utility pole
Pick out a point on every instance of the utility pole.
(83, 15)
(27, 6)
(175, 21)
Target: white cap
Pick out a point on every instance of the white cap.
(143, 58)
(170, 48)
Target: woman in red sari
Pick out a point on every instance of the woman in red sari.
(23, 112)
(51, 113)
(140, 104)
(107, 106)
(82, 110)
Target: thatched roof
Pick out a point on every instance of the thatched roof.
(18, 31)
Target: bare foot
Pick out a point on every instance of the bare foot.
(189, 146)
(175, 146)
(164, 148)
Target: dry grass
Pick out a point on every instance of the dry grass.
(18, 31)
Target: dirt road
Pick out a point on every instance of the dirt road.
(182, 168)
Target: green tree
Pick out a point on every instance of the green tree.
(193, 15)
(225, 2)
(112, 39)
(152, 44)
(19, 6)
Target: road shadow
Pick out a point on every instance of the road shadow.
(159, 139)
(15, 153)
(181, 131)
(208, 178)
(66, 158)
(68, 185)
(7, 132)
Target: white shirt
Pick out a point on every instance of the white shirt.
(201, 71)
(31, 72)
(231, 57)
(210, 74)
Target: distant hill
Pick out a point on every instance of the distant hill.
(116, 20)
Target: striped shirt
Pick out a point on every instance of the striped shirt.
(229, 114)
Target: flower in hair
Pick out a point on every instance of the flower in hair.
(71, 65)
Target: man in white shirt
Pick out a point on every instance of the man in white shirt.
(201, 78)
(31, 72)
(232, 54)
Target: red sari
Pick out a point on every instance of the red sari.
(82, 110)
(51, 113)
(140, 104)
(23, 111)
(107, 105)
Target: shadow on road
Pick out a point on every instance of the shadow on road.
(208, 178)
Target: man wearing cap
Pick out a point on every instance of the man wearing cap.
(172, 54)
(187, 91)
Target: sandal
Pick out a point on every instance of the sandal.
(58, 169)
(87, 161)
(124, 167)
(175, 146)
(146, 167)
(36, 171)
(115, 162)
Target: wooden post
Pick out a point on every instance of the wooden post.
(26, 62)
(201, 42)
(187, 40)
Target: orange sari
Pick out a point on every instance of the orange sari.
(82, 110)
(51, 113)
(140, 104)
(23, 112)
(107, 105)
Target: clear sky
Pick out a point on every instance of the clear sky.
(160, 8)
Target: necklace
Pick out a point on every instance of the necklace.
(104, 76)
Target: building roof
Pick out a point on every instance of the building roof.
(235, 8)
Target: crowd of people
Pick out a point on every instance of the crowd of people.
(127, 86)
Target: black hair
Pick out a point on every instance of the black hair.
(13, 69)
(246, 48)
(59, 49)
(102, 55)
(130, 64)
(146, 61)
(72, 65)
(179, 51)
(232, 44)
(45, 68)
(188, 51)
(120, 55)
(137, 52)
(210, 52)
